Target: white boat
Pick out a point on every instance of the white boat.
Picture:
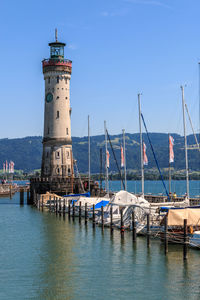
(194, 239)
(127, 202)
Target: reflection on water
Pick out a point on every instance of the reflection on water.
(45, 257)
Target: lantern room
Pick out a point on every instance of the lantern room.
(57, 50)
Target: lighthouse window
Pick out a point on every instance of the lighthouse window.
(58, 114)
(69, 171)
(57, 154)
(67, 154)
(58, 170)
(66, 98)
(57, 79)
(66, 80)
(67, 131)
(57, 97)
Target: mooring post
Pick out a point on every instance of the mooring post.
(56, 205)
(93, 215)
(185, 244)
(28, 197)
(134, 226)
(73, 209)
(10, 191)
(64, 207)
(148, 230)
(86, 216)
(122, 223)
(166, 234)
(111, 219)
(60, 209)
(79, 211)
(21, 197)
(69, 209)
(42, 202)
(102, 217)
(50, 203)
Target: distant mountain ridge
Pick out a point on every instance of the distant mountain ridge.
(27, 152)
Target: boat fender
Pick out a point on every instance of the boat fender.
(191, 229)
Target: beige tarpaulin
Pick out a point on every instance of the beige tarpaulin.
(176, 216)
(47, 196)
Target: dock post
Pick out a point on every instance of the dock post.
(86, 216)
(21, 197)
(73, 210)
(69, 209)
(50, 203)
(42, 202)
(60, 209)
(122, 223)
(28, 197)
(111, 219)
(56, 205)
(79, 211)
(10, 191)
(148, 230)
(102, 217)
(185, 246)
(93, 216)
(64, 207)
(166, 234)
(134, 226)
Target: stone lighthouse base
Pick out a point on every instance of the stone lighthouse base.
(61, 186)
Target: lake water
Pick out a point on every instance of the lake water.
(46, 257)
(156, 187)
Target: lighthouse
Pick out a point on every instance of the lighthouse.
(57, 159)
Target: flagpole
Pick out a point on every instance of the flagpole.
(186, 153)
(106, 146)
(124, 150)
(141, 145)
(169, 168)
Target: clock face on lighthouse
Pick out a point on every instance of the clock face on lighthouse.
(49, 97)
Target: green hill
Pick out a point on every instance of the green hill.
(27, 152)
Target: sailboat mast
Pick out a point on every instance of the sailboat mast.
(124, 159)
(169, 168)
(106, 186)
(89, 153)
(141, 149)
(186, 153)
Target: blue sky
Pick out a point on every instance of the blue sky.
(118, 48)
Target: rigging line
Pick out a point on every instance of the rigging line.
(155, 157)
(192, 126)
(115, 159)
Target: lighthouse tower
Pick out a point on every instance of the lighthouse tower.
(57, 144)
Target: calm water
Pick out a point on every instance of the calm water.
(45, 257)
(156, 187)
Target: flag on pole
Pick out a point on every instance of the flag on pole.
(9, 168)
(122, 157)
(107, 159)
(4, 167)
(171, 151)
(12, 166)
(145, 159)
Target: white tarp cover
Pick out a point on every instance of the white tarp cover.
(123, 198)
(176, 216)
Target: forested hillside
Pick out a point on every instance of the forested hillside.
(27, 152)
